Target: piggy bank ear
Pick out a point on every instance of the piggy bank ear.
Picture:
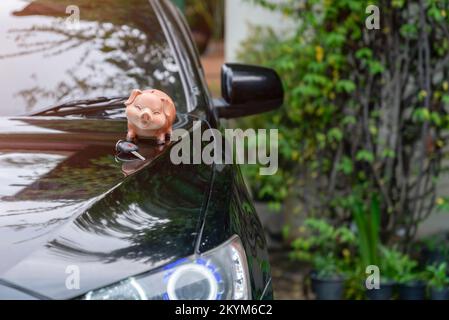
(169, 109)
(133, 96)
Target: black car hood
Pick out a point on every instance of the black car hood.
(67, 205)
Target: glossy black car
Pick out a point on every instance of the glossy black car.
(76, 222)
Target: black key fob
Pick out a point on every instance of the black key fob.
(126, 147)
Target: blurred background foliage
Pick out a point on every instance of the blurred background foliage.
(363, 131)
(205, 19)
(365, 112)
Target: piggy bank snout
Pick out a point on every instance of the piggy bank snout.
(145, 116)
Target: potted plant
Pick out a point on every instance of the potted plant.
(367, 220)
(404, 271)
(324, 246)
(327, 278)
(389, 260)
(433, 250)
(385, 291)
(387, 284)
(438, 281)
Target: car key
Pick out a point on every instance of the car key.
(128, 147)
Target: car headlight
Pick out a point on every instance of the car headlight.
(219, 274)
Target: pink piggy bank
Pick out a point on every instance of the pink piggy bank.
(150, 114)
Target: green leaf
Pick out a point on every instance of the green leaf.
(313, 78)
(335, 134)
(334, 39)
(345, 85)
(436, 118)
(421, 114)
(388, 153)
(307, 91)
(374, 229)
(364, 53)
(365, 155)
(349, 120)
(409, 30)
(445, 98)
(435, 13)
(346, 165)
(375, 67)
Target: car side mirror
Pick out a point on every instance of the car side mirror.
(248, 90)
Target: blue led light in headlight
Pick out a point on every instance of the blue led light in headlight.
(199, 278)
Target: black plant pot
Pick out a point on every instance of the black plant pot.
(415, 290)
(385, 291)
(439, 294)
(328, 289)
(432, 256)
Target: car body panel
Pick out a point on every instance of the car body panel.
(113, 48)
(76, 205)
(230, 194)
(11, 292)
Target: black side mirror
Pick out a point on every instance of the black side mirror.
(248, 90)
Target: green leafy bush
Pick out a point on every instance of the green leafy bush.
(399, 267)
(365, 110)
(327, 248)
(438, 275)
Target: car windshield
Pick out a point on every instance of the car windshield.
(55, 51)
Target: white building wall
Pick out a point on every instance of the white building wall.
(239, 15)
